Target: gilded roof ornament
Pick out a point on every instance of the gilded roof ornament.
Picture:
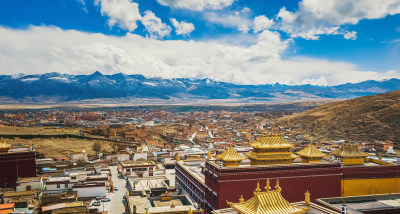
(267, 187)
(241, 199)
(257, 190)
(307, 198)
(277, 187)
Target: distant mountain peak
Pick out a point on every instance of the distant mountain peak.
(62, 87)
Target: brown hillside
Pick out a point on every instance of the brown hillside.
(367, 118)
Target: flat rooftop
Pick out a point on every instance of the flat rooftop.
(146, 184)
(193, 168)
(362, 204)
(137, 163)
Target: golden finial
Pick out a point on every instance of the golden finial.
(228, 203)
(147, 211)
(307, 198)
(281, 134)
(178, 158)
(272, 132)
(277, 187)
(209, 155)
(257, 190)
(190, 211)
(241, 199)
(267, 187)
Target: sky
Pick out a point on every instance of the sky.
(291, 42)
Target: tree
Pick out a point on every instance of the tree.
(96, 147)
(115, 147)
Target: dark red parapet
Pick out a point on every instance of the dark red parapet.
(369, 172)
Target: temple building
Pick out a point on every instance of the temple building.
(229, 157)
(310, 154)
(16, 162)
(210, 183)
(350, 154)
(270, 201)
(271, 149)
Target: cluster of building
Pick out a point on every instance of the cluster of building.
(196, 162)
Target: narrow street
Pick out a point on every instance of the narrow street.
(116, 205)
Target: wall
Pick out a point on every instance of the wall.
(14, 165)
(370, 186)
(361, 180)
(90, 192)
(321, 180)
(34, 185)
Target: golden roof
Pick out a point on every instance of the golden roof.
(268, 202)
(349, 150)
(311, 151)
(230, 154)
(271, 156)
(272, 141)
(4, 147)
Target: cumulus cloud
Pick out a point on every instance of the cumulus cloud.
(48, 49)
(197, 5)
(182, 28)
(123, 13)
(262, 23)
(154, 25)
(231, 19)
(315, 17)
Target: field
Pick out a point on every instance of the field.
(54, 148)
(37, 130)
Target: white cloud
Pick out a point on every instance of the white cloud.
(82, 3)
(182, 28)
(154, 25)
(123, 13)
(315, 17)
(232, 19)
(197, 5)
(48, 49)
(262, 23)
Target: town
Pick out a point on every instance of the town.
(168, 161)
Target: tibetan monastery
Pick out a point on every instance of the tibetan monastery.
(227, 176)
(230, 157)
(350, 154)
(272, 149)
(310, 154)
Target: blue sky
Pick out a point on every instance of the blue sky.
(241, 41)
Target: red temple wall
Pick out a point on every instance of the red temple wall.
(14, 165)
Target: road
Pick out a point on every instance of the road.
(116, 205)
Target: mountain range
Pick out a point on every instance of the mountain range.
(96, 87)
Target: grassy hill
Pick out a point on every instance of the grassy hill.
(366, 118)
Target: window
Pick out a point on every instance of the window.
(73, 178)
(58, 185)
(66, 185)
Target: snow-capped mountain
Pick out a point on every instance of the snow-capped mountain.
(55, 87)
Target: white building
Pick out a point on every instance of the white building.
(90, 190)
(29, 183)
(58, 184)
